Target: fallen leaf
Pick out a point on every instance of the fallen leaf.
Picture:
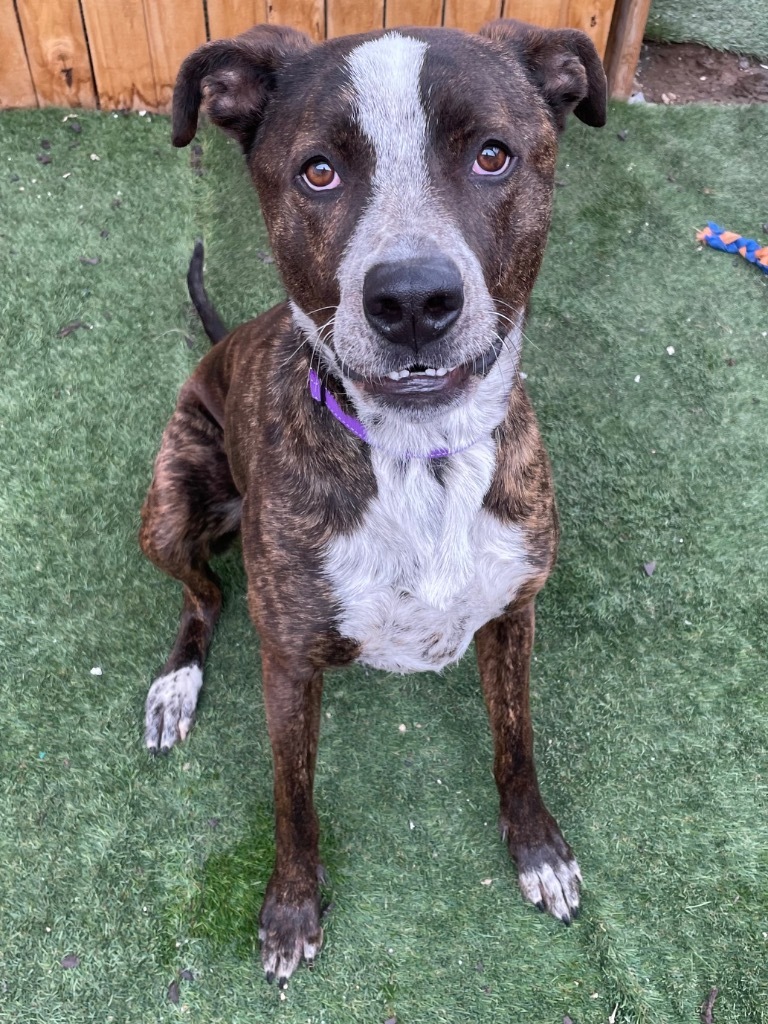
(69, 961)
(187, 975)
(622, 135)
(650, 568)
(74, 325)
(172, 995)
(44, 158)
(91, 261)
(45, 143)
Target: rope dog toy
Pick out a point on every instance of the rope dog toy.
(728, 241)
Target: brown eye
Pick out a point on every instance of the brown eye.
(320, 175)
(493, 158)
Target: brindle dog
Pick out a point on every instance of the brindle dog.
(371, 439)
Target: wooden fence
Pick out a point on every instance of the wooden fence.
(125, 53)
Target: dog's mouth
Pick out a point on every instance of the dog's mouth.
(420, 383)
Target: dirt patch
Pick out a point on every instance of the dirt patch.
(688, 73)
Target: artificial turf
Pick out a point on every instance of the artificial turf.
(649, 691)
(738, 25)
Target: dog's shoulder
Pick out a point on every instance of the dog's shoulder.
(521, 491)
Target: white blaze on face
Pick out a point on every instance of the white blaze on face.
(385, 75)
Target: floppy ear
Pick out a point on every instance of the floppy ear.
(562, 63)
(233, 79)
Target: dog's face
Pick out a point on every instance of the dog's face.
(406, 181)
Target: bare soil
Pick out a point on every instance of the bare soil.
(675, 73)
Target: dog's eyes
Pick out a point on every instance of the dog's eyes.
(493, 158)
(320, 175)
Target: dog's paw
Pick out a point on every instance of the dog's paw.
(170, 709)
(549, 874)
(552, 883)
(289, 929)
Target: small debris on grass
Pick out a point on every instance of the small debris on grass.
(487, 881)
(612, 1018)
(44, 158)
(670, 350)
(76, 127)
(730, 361)
(187, 975)
(622, 135)
(45, 143)
(636, 97)
(214, 823)
(172, 995)
(264, 256)
(96, 671)
(708, 1006)
(479, 966)
(116, 203)
(103, 233)
(95, 157)
(74, 325)
(637, 379)
(391, 1020)
(91, 261)
(69, 961)
(649, 568)
(567, 1019)
(402, 727)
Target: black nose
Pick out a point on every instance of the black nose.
(413, 302)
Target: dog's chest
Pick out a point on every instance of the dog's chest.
(428, 566)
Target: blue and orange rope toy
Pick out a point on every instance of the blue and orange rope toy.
(729, 241)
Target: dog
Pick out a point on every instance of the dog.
(370, 439)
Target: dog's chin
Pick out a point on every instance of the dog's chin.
(420, 387)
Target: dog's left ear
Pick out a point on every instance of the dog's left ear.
(562, 63)
(233, 79)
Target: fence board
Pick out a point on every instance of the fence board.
(347, 16)
(470, 14)
(307, 15)
(230, 17)
(57, 52)
(122, 63)
(171, 38)
(16, 88)
(547, 13)
(592, 17)
(413, 12)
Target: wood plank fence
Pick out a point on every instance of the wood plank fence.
(118, 54)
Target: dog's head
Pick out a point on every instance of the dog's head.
(406, 180)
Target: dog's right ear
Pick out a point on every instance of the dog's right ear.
(233, 78)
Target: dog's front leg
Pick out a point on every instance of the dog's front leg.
(548, 872)
(289, 924)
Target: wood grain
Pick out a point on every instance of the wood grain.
(547, 13)
(16, 88)
(171, 38)
(414, 12)
(230, 17)
(122, 62)
(347, 16)
(57, 52)
(624, 42)
(471, 14)
(592, 17)
(306, 15)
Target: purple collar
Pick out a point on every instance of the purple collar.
(322, 395)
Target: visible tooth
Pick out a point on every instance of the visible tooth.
(405, 373)
(394, 375)
(430, 372)
(441, 372)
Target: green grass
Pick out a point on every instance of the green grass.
(738, 25)
(649, 693)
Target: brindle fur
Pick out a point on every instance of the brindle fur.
(248, 449)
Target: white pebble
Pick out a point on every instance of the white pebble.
(670, 350)
(95, 671)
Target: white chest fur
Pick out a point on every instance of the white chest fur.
(428, 566)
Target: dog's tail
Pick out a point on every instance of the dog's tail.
(212, 323)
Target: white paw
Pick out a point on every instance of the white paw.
(171, 704)
(553, 885)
